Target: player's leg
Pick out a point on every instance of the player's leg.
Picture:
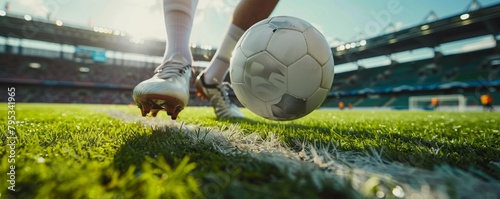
(168, 89)
(208, 84)
(178, 15)
(247, 13)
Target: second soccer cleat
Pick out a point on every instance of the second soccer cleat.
(217, 95)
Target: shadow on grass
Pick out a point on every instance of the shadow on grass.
(234, 175)
(248, 121)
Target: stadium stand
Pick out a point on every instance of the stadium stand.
(472, 67)
(62, 81)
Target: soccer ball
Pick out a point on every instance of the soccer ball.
(281, 68)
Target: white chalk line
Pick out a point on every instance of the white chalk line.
(362, 171)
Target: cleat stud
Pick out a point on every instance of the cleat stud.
(176, 112)
(154, 112)
(146, 108)
(170, 110)
(141, 107)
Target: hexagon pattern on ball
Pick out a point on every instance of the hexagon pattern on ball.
(282, 68)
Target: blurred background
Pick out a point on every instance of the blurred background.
(389, 54)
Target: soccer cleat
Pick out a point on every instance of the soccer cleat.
(167, 90)
(217, 95)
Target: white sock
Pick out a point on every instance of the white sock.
(179, 16)
(217, 70)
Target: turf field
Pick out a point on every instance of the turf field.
(104, 151)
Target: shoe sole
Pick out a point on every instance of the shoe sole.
(155, 102)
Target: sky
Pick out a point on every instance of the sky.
(340, 21)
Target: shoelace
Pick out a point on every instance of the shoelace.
(171, 69)
(223, 89)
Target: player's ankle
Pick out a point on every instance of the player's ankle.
(178, 57)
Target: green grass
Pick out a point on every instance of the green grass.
(420, 139)
(73, 151)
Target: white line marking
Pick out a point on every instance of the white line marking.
(362, 171)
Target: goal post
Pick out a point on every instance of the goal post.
(455, 102)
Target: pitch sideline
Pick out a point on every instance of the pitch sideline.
(362, 171)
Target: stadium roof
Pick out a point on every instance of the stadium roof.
(467, 25)
(98, 37)
(477, 23)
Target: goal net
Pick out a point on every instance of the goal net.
(455, 102)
